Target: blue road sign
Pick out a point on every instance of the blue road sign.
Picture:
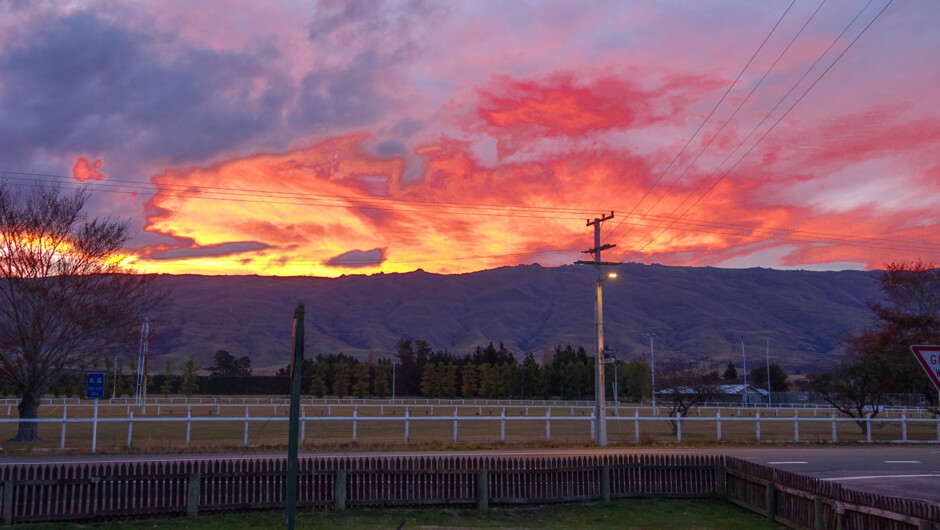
(94, 386)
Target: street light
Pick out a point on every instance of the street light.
(653, 369)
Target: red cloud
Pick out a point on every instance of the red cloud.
(83, 171)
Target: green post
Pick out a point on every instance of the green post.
(296, 367)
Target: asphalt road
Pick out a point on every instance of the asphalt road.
(911, 471)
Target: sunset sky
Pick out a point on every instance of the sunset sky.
(328, 138)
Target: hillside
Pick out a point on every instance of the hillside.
(698, 312)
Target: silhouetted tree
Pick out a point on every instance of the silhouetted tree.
(731, 373)
(65, 294)
(226, 365)
(778, 378)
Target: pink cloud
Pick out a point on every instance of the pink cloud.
(83, 171)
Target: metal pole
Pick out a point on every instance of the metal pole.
(768, 374)
(143, 380)
(616, 395)
(393, 380)
(744, 358)
(653, 369)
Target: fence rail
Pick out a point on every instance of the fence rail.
(88, 492)
(466, 428)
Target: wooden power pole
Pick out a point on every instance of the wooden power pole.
(600, 394)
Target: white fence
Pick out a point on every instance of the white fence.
(408, 418)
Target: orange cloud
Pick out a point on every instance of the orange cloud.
(335, 204)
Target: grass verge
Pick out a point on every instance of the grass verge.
(625, 513)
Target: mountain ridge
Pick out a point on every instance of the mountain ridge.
(698, 312)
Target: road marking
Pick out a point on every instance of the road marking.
(869, 477)
(782, 463)
(903, 462)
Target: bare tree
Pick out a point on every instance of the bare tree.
(65, 295)
(683, 385)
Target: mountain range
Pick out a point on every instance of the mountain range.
(695, 312)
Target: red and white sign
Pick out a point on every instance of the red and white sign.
(929, 358)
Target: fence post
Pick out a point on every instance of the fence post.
(339, 490)
(502, 426)
(718, 420)
(130, 428)
(192, 495)
(796, 429)
(758, 425)
(678, 427)
(834, 438)
(593, 425)
(303, 424)
(455, 424)
(636, 424)
(904, 425)
(605, 483)
(65, 411)
(355, 415)
(548, 425)
(770, 502)
(819, 514)
(8, 487)
(246, 427)
(94, 429)
(406, 424)
(868, 426)
(483, 490)
(721, 481)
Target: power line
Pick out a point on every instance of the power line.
(736, 110)
(708, 117)
(274, 194)
(769, 130)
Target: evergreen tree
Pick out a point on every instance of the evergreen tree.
(380, 385)
(528, 377)
(470, 380)
(189, 380)
(363, 380)
(318, 378)
(731, 373)
(169, 380)
(341, 375)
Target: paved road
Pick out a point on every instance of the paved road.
(903, 471)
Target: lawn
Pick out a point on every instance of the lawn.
(627, 513)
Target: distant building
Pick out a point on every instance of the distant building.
(745, 394)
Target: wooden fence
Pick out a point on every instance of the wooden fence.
(86, 492)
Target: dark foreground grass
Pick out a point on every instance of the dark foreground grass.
(628, 513)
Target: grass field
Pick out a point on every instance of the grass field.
(224, 426)
(628, 513)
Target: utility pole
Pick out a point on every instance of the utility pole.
(600, 386)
